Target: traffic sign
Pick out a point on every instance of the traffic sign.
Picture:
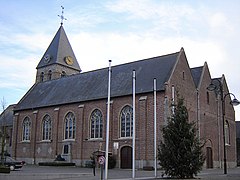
(101, 160)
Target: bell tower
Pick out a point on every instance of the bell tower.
(59, 59)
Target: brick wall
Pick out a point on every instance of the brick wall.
(81, 148)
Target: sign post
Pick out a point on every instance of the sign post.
(101, 161)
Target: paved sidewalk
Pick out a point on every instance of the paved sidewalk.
(31, 172)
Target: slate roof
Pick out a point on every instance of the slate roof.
(196, 74)
(6, 118)
(58, 49)
(93, 85)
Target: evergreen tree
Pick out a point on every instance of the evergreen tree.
(180, 152)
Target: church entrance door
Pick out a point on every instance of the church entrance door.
(209, 158)
(126, 157)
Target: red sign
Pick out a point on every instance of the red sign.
(101, 160)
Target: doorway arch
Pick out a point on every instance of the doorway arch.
(126, 157)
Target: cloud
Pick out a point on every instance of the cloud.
(162, 14)
(122, 48)
(218, 20)
(146, 9)
(124, 31)
(17, 72)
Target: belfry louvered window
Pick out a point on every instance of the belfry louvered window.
(41, 76)
(49, 75)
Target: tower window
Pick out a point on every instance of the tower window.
(49, 75)
(41, 76)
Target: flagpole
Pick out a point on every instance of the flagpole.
(155, 125)
(108, 113)
(133, 135)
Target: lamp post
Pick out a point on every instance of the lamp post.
(234, 102)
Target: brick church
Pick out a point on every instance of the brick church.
(65, 110)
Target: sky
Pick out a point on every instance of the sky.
(120, 30)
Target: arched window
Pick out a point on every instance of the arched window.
(47, 128)
(26, 131)
(96, 124)
(49, 75)
(41, 76)
(70, 126)
(227, 133)
(126, 119)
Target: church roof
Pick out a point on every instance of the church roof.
(196, 74)
(58, 49)
(93, 85)
(6, 117)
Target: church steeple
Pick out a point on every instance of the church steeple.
(58, 60)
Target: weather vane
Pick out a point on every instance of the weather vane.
(61, 16)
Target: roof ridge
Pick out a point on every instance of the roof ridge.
(197, 67)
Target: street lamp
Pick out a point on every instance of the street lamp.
(234, 102)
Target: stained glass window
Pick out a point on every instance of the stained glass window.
(70, 126)
(96, 124)
(126, 118)
(26, 129)
(47, 128)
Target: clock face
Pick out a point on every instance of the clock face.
(47, 58)
(68, 60)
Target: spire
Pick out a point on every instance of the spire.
(59, 52)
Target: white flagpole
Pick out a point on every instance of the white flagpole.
(155, 125)
(133, 135)
(108, 113)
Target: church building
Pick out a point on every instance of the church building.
(65, 110)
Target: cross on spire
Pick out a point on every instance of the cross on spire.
(61, 16)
